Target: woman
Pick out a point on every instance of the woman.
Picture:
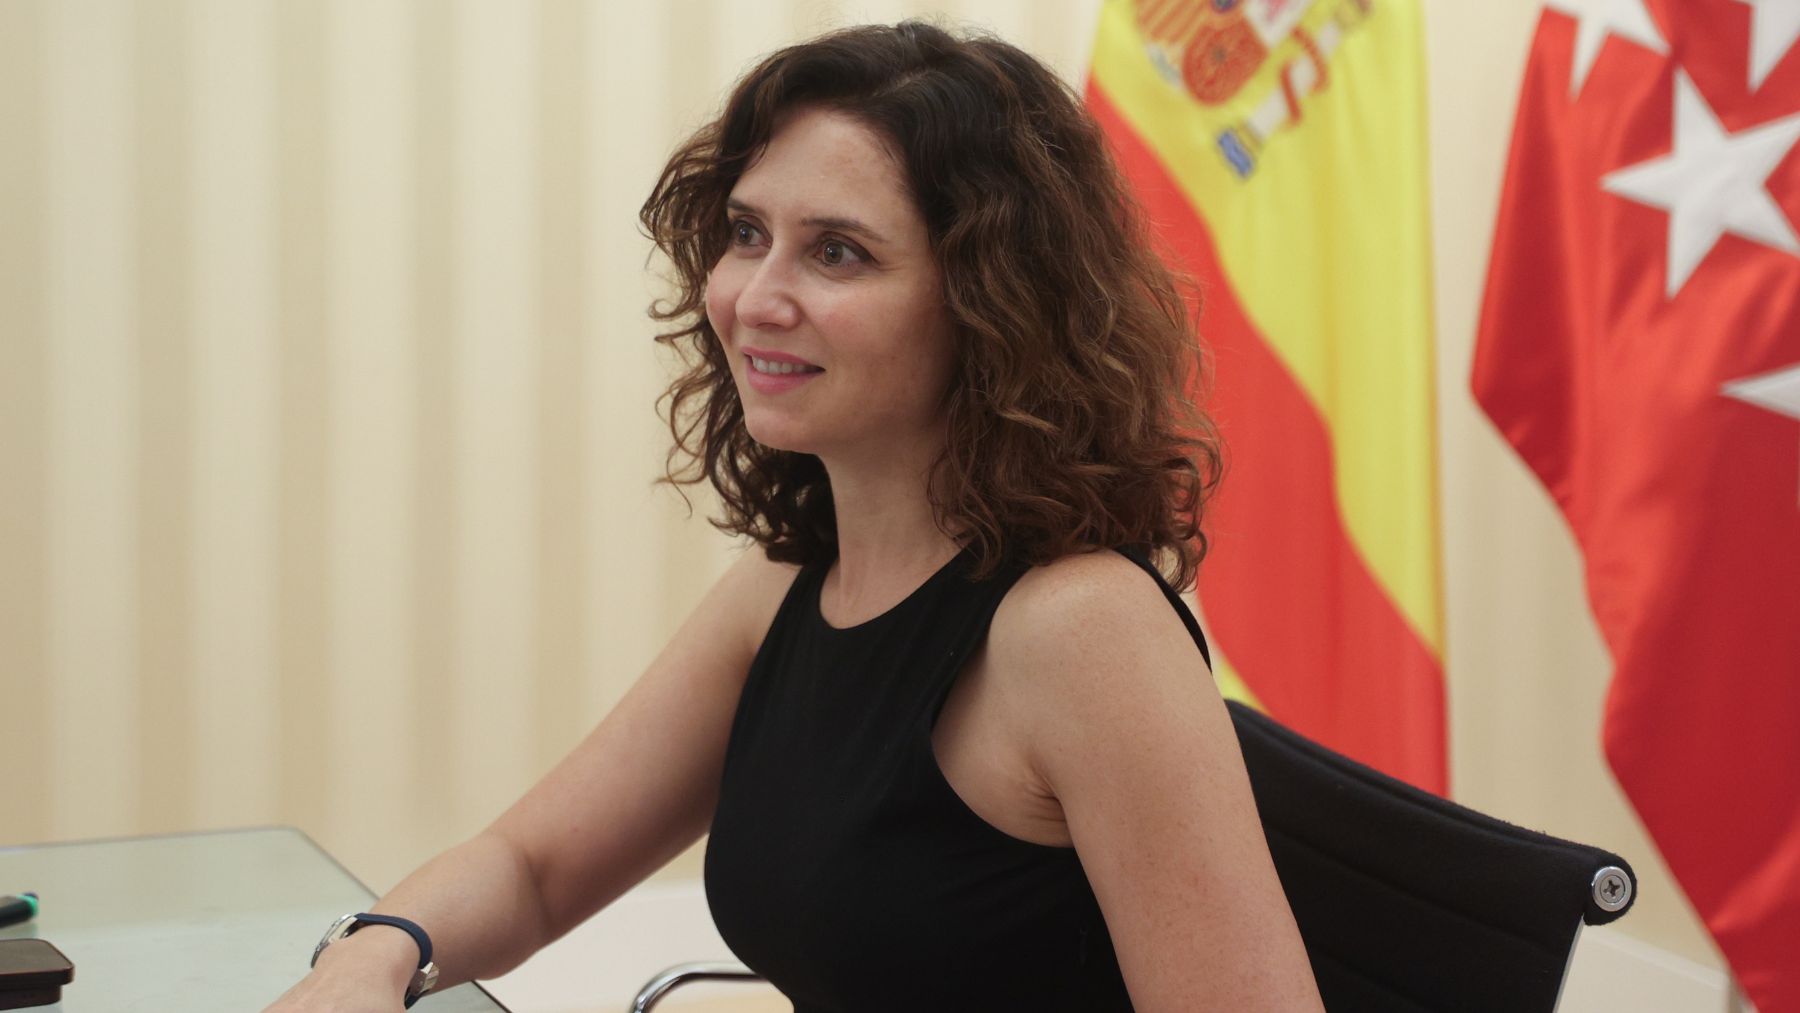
(953, 751)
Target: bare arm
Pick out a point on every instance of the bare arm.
(1128, 733)
(639, 789)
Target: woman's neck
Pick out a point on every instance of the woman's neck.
(887, 534)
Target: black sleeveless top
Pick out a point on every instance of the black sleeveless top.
(844, 868)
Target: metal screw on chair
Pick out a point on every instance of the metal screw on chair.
(1612, 888)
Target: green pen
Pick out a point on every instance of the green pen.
(22, 908)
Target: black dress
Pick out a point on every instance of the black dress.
(844, 868)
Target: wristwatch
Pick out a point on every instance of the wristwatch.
(423, 980)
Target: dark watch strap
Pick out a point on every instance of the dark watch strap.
(423, 980)
(411, 928)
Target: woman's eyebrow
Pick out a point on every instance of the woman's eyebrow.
(836, 223)
(844, 225)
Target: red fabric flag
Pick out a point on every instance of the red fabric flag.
(1640, 348)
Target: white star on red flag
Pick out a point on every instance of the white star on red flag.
(1774, 25)
(1778, 391)
(1711, 182)
(1595, 20)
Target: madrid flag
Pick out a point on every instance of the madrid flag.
(1278, 148)
(1640, 348)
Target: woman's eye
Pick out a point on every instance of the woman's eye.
(835, 253)
(743, 233)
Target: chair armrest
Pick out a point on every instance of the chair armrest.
(682, 974)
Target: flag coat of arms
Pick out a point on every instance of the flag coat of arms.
(1640, 349)
(1278, 149)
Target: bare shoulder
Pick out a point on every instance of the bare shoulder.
(747, 596)
(1087, 651)
(1081, 615)
(754, 571)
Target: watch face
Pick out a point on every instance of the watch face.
(338, 930)
(424, 980)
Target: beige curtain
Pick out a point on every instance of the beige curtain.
(326, 426)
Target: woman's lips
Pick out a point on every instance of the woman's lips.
(773, 356)
(776, 383)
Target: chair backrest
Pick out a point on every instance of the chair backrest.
(1409, 902)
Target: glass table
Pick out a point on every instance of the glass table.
(212, 921)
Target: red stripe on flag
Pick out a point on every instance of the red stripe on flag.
(1291, 602)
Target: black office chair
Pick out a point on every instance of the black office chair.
(1407, 902)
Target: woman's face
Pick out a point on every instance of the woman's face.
(827, 300)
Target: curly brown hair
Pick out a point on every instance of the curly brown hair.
(1072, 418)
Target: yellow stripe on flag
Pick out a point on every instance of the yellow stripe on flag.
(1325, 243)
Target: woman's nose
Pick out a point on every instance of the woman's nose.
(767, 298)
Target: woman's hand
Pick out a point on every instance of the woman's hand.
(317, 993)
(364, 973)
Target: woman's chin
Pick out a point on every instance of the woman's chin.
(777, 437)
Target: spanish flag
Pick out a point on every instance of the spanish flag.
(1278, 149)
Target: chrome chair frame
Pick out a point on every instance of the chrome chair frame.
(686, 974)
